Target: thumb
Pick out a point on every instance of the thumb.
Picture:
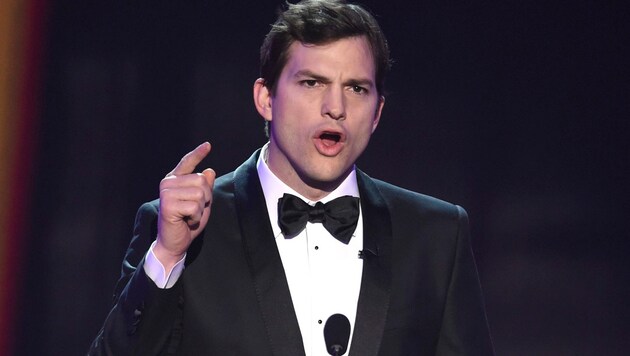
(210, 176)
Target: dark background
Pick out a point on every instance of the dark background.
(517, 110)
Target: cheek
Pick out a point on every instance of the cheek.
(373, 126)
(364, 133)
(368, 126)
(360, 140)
(286, 113)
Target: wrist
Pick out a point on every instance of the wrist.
(167, 257)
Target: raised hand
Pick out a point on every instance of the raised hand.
(185, 201)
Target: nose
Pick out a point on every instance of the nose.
(334, 103)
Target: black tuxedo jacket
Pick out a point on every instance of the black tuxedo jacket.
(420, 293)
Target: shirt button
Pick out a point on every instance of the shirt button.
(319, 321)
(316, 247)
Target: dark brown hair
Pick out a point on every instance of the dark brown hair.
(319, 22)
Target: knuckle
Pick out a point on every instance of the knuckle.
(166, 191)
(200, 179)
(199, 195)
(167, 181)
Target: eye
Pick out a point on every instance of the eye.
(358, 89)
(311, 83)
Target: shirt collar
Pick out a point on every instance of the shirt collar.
(274, 189)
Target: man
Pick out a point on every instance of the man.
(261, 280)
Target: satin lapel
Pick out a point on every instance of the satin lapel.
(375, 283)
(264, 262)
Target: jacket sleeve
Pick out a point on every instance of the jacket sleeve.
(464, 328)
(144, 319)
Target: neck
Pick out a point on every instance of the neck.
(311, 189)
(301, 182)
(306, 186)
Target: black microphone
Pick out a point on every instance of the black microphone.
(337, 334)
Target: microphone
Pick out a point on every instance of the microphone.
(337, 334)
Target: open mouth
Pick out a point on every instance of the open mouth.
(330, 138)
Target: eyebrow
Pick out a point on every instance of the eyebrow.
(310, 74)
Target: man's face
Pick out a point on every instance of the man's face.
(322, 115)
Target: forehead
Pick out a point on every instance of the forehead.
(350, 57)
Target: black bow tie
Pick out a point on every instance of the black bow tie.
(339, 216)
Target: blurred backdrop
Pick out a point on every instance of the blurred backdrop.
(516, 110)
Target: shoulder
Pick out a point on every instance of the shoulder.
(245, 174)
(224, 183)
(151, 207)
(147, 214)
(405, 202)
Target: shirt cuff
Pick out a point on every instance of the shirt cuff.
(156, 271)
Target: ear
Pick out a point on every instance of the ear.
(377, 114)
(262, 99)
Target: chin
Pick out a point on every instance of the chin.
(330, 176)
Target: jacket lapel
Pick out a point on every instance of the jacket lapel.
(265, 265)
(375, 283)
(272, 290)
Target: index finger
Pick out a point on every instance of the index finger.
(188, 163)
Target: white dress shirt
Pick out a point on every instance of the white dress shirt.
(323, 274)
